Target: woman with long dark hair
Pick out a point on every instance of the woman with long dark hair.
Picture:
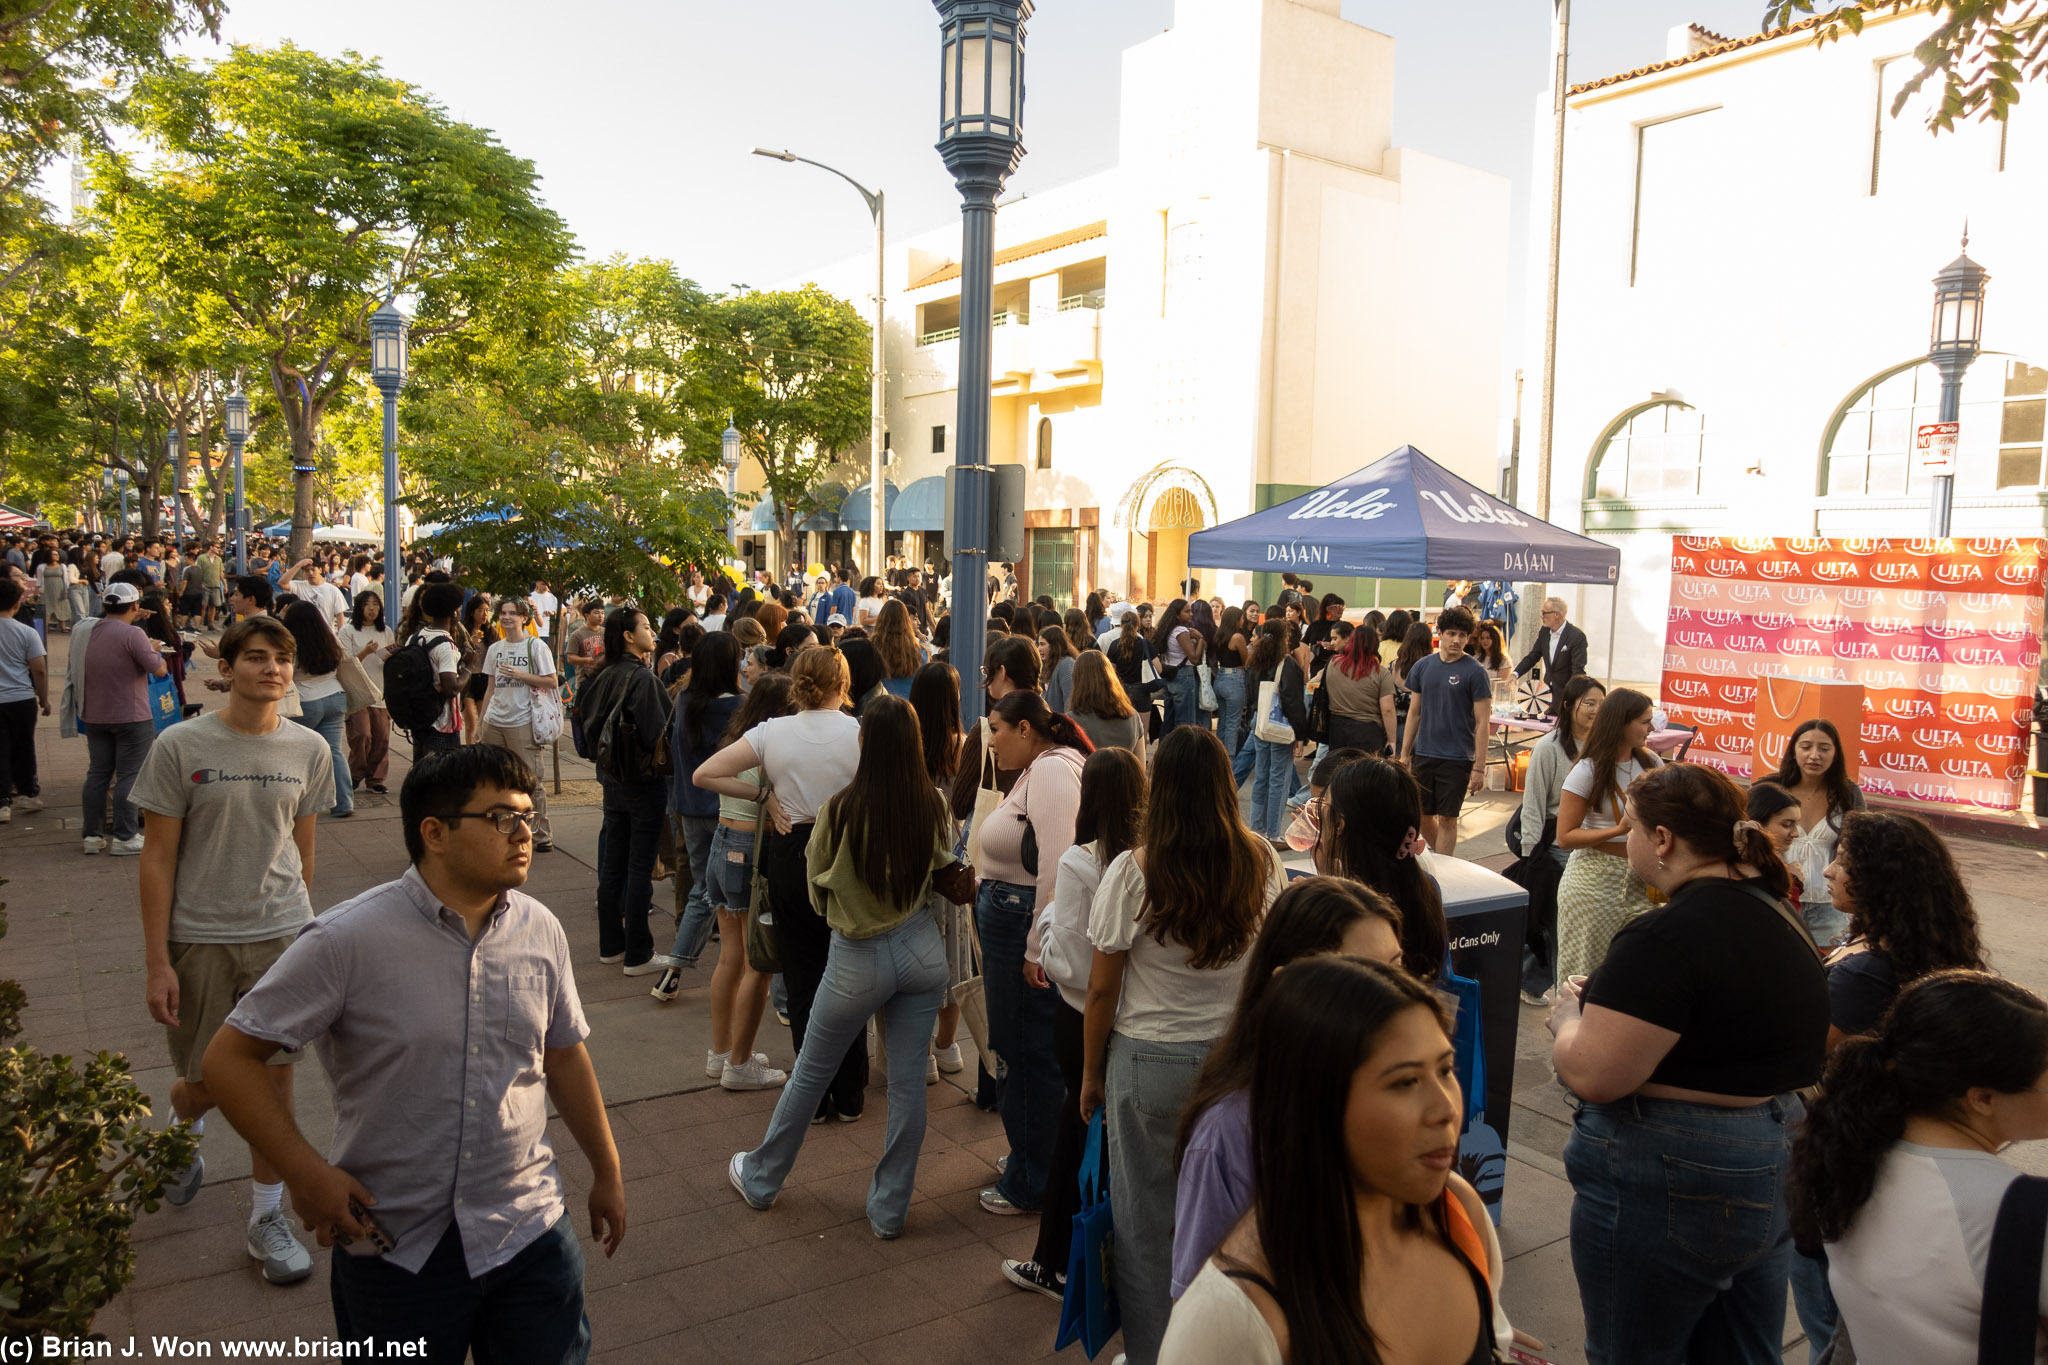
(1229, 648)
(1815, 769)
(1098, 705)
(1393, 635)
(1600, 891)
(706, 707)
(1111, 813)
(1372, 835)
(1897, 1169)
(1212, 1157)
(1684, 1050)
(324, 706)
(1079, 636)
(1361, 692)
(1129, 651)
(1179, 647)
(1357, 1247)
(869, 864)
(1317, 633)
(635, 797)
(479, 633)
(1416, 645)
(1171, 928)
(807, 759)
(1019, 847)
(1280, 658)
(1552, 758)
(1056, 657)
(935, 696)
(1485, 646)
(896, 648)
(366, 636)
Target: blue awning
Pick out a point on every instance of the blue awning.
(830, 497)
(922, 506)
(762, 518)
(854, 513)
(1405, 516)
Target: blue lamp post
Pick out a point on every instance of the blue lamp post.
(238, 432)
(981, 140)
(387, 368)
(118, 478)
(1958, 329)
(729, 456)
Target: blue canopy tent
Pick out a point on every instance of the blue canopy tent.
(1404, 516)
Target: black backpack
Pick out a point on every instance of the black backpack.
(412, 687)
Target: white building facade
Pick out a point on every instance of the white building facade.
(1262, 296)
(1748, 246)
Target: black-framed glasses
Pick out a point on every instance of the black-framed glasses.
(505, 820)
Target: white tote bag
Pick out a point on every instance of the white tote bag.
(1208, 677)
(1272, 724)
(986, 797)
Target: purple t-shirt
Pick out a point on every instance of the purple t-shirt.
(1215, 1185)
(119, 662)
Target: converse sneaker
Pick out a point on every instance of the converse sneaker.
(670, 985)
(611, 959)
(93, 843)
(181, 1188)
(28, 805)
(126, 848)
(271, 1242)
(1037, 1278)
(752, 1075)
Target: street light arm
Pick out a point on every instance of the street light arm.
(874, 200)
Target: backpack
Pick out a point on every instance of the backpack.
(617, 748)
(412, 687)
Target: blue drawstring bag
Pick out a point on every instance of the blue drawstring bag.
(164, 710)
(1089, 1313)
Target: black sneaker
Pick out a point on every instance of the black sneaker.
(1035, 1277)
(670, 985)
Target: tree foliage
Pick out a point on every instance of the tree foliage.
(1981, 51)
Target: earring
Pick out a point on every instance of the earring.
(1660, 864)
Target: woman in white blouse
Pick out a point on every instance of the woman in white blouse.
(1171, 926)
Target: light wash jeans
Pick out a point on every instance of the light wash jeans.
(328, 716)
(1680, 1233)
(1229, 687)
(901, 975)
(1186, 691)
(1146, 1086)
(693, 930)
(1272, 784)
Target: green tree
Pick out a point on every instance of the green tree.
(795, 366)
(297, 191)
(1981, 51)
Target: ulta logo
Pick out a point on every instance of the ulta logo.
(1858, 545)
(1985, 549)
(1828, 625)
(1859, 598)
(1880, 733)
(1755, 545)
(1905, 760)
(1917, 600)
(1944, 682)
(1948, 630)
(1696, 639)
(1855, 649)
(1721, 616)
(1875, 782)
(1972, 713)
(1799, 646)
(2001, 745)
(1923, 546)
(1738, 694)
(1809, 547)
(1955, 574)
(1776, 620)
(1724, 568)
(1966, 768)
(1977, 656)
(1805, 594)
(1746, 593)
(1697, 544)
(1777, 569)
(1692, 590)
(1894, 571)
(1687, 687)
(2019, 575)
(1933, 737)
(1910, 708)
(1834, 570)
(2007, 687)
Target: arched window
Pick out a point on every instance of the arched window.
(1655, 451)
(2004, 400)
(1045, 443)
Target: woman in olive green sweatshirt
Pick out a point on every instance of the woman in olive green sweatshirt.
(871, 858)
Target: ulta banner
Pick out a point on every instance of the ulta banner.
(1944, 636)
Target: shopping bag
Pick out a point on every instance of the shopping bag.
(972, 998)
(1089, 1313)
(1482, 1156)
(164, 710)
(1209, 701)
(356, 685)
(1272, 725)
(986, 797)
(547, 716)
(1783, 702)
(764, 947)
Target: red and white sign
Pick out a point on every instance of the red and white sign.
(1936, 445)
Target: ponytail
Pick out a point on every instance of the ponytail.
(1706, 812)
(1029, 708)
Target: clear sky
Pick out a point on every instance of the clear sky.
(639, 113)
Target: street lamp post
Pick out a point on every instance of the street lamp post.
(878, 537)
(118, 478)
(729, 456)
(981, 114)
(175, 449)
(238, 432)
(387, 368)
(1958, 328)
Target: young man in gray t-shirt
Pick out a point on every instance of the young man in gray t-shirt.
(229, 800)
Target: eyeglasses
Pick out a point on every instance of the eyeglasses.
(505, 820)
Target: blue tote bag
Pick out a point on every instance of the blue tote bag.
(1089, 1313)
(164, 710)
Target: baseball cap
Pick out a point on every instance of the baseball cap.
(836, 619)
(122, 592)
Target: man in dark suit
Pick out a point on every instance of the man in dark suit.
(1560, 650)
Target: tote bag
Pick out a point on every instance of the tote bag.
(764, 948)
(986, 797)
(1089, 1313)
(1272, 725)
(547, 716)
(355, 681)
(164, 711)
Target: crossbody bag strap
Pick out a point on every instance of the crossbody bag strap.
(767, 790)
(1777, 903)
(2010, 1317)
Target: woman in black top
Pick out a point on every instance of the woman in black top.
(1226, 659)
(635, 797)
(1682, 1051)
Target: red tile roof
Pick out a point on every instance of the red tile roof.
(1036, 247)
(1725, 46)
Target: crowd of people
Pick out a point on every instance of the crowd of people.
(1788, 1061)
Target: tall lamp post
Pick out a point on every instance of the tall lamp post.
(1958, 327)
(238, 432)
(175, 449)
(729, 456)
(118, 478)
(387, 368)
(878, 538)
(981, 140)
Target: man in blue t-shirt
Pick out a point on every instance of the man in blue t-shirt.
(1444, 743)
(844, 598)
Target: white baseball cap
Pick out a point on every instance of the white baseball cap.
(123, 593)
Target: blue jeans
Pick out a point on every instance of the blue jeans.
(900, 975)
(528, 1311)
(1815, 1303)
(626, 846)
(328, 716)
(730, 882)
(114, 755)
(1229, 686)
(1272, 784)
(693, 930)
(1145, 1087)
(1680, 1233)
(1020, 1031)
(1185, 708)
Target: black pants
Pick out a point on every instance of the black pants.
(18, 750)
(528, 1311)
(430, 740)
(805, 942)
(1063, 1173)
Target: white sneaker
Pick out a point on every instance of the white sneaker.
(931, 1069)
(714, 1063)
(126, 848)
(948, 1058)
(6, 814)
(271, 1242)
(754, 1075)
(28, 805)
(93, 843)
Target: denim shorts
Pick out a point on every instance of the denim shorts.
(729, 869)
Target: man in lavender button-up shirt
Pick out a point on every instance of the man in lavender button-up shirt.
(444, 1010)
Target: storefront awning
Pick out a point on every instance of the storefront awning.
(922, 506)
(855, 514)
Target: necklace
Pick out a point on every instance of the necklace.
(1975, 1140)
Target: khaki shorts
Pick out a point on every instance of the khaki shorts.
(212, 979)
